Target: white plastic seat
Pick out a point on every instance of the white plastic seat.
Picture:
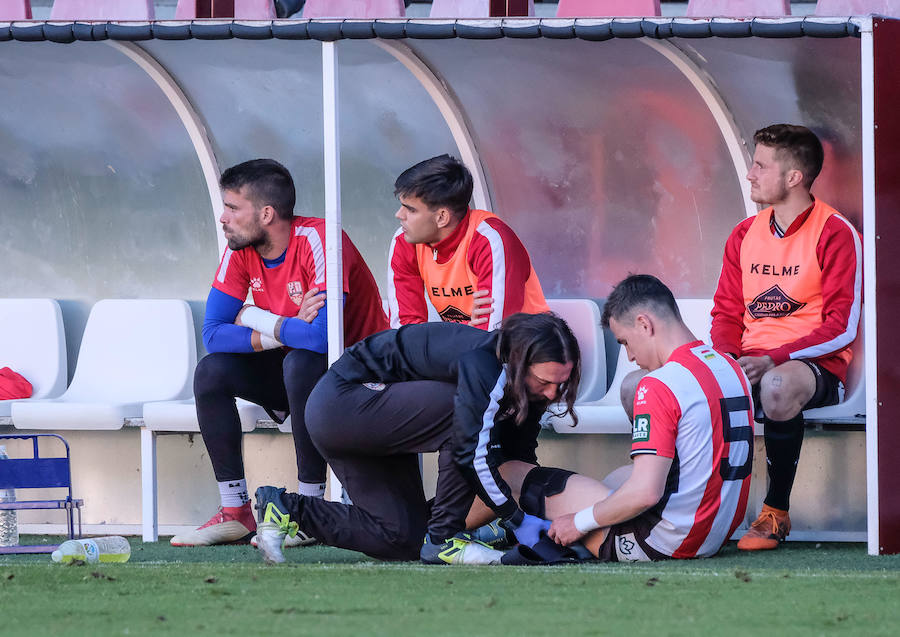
(607, 415)
(852, 409)
(180, 416)
(132, 352)
(33, 344)
(583, 317)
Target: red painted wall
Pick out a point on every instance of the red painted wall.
(886, 41)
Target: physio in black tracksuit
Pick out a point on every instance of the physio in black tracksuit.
(474, 397)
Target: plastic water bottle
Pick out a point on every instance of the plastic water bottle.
(9, 521)
(113, 548)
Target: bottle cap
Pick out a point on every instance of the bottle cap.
(56, 555)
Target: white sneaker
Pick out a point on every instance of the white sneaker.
(301, 539)
(459, 549)
(269, 539)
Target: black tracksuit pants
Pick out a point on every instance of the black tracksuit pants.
(370, 435)
(278, 380)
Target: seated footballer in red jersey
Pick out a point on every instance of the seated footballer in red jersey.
(691, 443)
(467, 264)
(263, 352)
(787, 307)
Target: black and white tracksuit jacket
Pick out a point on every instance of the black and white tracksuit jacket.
(485, 434)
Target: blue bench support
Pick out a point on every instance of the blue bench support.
(40, 472)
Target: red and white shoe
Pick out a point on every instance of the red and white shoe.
(230, 525)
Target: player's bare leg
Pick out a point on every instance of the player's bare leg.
(785, 389)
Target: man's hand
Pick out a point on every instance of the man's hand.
(312, 302)
(755, 366)
(563, 530)
(482, 306)
(528, 532)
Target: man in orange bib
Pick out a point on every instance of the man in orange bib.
(787, 307)
(468, 264)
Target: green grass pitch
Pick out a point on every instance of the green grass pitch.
(800, 589)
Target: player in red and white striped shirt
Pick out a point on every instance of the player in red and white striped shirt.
(692, 445)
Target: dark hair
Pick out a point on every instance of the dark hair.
(268, 184)
(639, 291)
(797, 146)
(526, 339)
(441, 181)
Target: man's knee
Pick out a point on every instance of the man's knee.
(303, 368)
(628, 389)
(541, 483)
(212, 373)
(783, 390)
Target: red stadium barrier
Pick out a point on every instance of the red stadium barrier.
(15, 10)
(737, 8)
(240, 9)
(858, 7)
(102, 10)
(354, 9)
(607, 8)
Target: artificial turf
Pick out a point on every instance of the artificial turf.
(800, 589)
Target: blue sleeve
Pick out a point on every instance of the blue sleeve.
(220, 334)
(299, 334)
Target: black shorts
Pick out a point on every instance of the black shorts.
(829, 390)
(627, 542)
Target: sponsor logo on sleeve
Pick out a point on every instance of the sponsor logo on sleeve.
(640, 429)
(641, 394)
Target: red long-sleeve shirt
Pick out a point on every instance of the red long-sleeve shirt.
(839, 255)
(499, 266)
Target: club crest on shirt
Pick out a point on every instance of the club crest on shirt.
(295, 291)
(773, 303)
(256, 284)
(640, 429)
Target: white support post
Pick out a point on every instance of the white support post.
(149, 494)
(333, 233)
(867, 103)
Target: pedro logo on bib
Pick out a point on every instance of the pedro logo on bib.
(452, 314)
(640, 430)
(773, 303)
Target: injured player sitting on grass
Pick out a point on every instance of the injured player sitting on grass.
(692, 445)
